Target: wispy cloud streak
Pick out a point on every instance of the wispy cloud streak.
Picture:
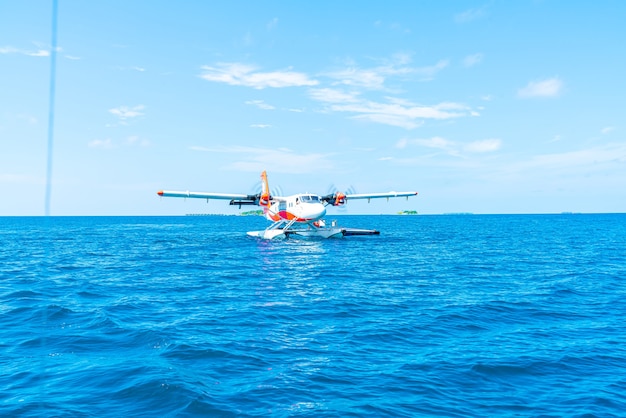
(551, 87)
(246, 75)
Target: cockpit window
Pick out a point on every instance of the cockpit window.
(310, 198)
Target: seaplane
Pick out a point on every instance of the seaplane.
(299, 215)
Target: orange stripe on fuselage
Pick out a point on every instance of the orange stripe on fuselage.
(283, 214)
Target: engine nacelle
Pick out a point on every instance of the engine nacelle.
(340, 199)
(265, 199)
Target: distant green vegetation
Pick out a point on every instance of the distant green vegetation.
(252, 213)
(407, 212)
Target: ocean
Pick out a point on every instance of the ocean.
(456, 316)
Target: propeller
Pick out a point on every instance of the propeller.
(337, 198)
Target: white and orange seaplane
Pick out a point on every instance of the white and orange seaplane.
(299, 214)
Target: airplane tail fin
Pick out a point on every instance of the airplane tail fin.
(265, 191)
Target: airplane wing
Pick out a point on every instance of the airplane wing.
(235, 199)
(203, 195)
(369, 196)
(338, 199)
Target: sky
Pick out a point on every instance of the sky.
(481, 106)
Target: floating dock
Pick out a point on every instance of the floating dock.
(349, 232)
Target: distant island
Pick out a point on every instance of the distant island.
(407, 212)
(252, 213)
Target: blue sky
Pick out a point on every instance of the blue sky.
(480, 106)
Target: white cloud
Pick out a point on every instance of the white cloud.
(394, 26)
(8, 50)
(101, 143)
(260, 104)
(399, 112)
(260, 125)
(470, 15)
(371, 79)
(245, 75)
(551, 87)
(598, 159)
(590, 156)
(125, 112)
(434, 142)
(272, 24)
(132, 68)
(135, 140)
(471, 60)
(29, 119)
(203, 149)
(374, 78)
(392, 120)
(332, 95)
(452, 147)
(607, 130)
(37, 53)
(390, 111)
(429, 72)
(401, 58)
(485, 145)
(402, 143)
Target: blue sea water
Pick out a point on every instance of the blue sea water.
(460, 316)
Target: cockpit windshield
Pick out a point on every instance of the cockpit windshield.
(310, 198)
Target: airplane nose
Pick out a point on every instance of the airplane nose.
(322, 211)
(318, 211)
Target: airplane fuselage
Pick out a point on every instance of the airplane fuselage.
(299, 208)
